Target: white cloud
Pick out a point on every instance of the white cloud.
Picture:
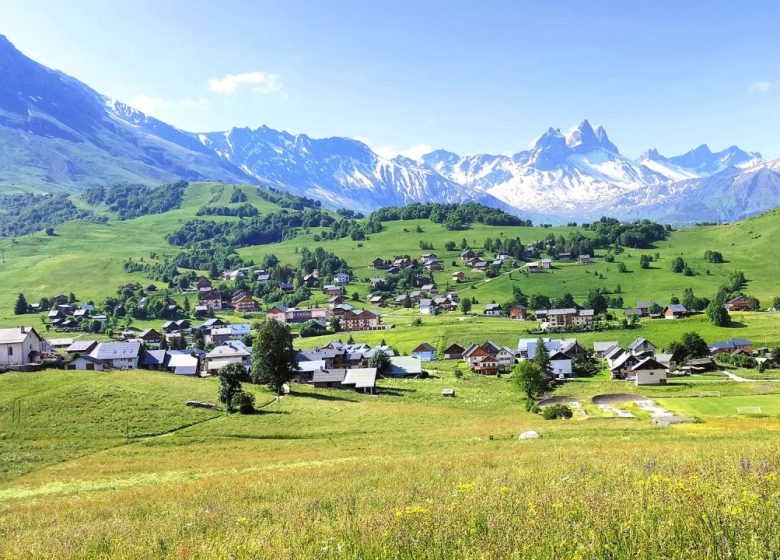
(263, 82)
(156, 105)
(760, 87)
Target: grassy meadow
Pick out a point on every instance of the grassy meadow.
(403, 474)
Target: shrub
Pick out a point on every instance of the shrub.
(556, 411)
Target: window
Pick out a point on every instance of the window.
(10, 350)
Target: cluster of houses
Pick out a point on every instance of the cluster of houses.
(241, 301)
(350, 318)
(347, 366)
(546, 264)
(644, 309)
(475, 262)
(65, 316)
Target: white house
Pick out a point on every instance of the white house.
(649, 372)
(20, 346)
(117, 355)
(561, 365)
(227, 354)
(424, 352)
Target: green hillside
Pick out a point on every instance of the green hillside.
(87, 259)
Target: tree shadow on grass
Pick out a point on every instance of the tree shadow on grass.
(321, 396)
(736, 325)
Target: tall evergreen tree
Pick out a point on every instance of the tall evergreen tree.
(542, 357)
(20, 307)
(273, 359)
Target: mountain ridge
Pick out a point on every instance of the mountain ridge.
(60, 134)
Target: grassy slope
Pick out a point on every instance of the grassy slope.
(447, 477)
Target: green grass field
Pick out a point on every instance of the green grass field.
(113, 465)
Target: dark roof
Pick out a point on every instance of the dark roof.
(153, 358)
(329, 376)
(424, 347)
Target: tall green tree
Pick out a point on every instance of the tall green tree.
(381, 361)
(542, 357)
(465, 306)
(273, 360)
(20, 307)
(230, 378)
(528, 378)
(717, 314)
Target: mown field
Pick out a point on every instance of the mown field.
(112, 465)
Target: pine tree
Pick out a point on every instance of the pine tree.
(542, 357)
(20, 307)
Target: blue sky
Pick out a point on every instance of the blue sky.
(466, 76)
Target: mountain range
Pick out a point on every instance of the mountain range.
(57, 133)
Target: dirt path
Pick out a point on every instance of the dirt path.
(615, 411)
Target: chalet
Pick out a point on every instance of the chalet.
(458, 276)
(55, 314)
(466, 255)
(117, 355)
(444, 303)
(601, 349)
(204, 284)
(427, 307)
(175, 326)
(210, 298)
(377, 282)
(454, 297)
(621, 367)
(393, 270)
(360, 379)
(416, 295)
(518, 312)
(533, 266)
(399, 301)
(60, 343)
(288, 315)
(424, 352)
(286, 287)
(335, 300)
(378, 300)
(505, 357)
(730, 345)
(432, 265)
(429, 256)
(561, 318)
(341, 278)
(151, 288)
(332, 290)
(675, 311)
(649, 372)
(81, 313)
(699, 365)
(208, 324)
(310, 280)
(127, 335)
(561, 365)
(584, 318)
(84, 362)
(613, 355)
(472, 354)
(584, 259)
(642, 347)
(149, 336)
(632, 312)
(243, 302)
(482, 266)
(339, 311)
(328, 378)
(526, 347)
(491, 348)
(20, 347)
(222, 335)
(364, 320)
(330, 358)
(739, 303)
(453, 352)
(643, 307)
(378, 263)
(403, 262)
(404, 366)
(153, 360)
(182, 362)
(486, 365)
(493, 310)
(541, 315)
(564, 256)
(667, 361)
(81, 347)
(263, 277)
(428, 288)
(224, 355)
